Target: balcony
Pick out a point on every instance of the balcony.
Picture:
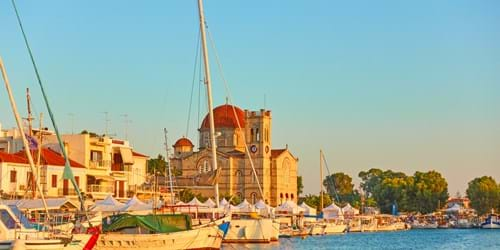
(100, 189)
(99, 164)
(68, 191)
(121, 167)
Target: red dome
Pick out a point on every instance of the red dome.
(224, 117)
(183, 142)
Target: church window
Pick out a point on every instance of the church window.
(252, 135)
(286, 195)
(239, 177)
(254, 198)
(257, 134)
(291, 195)
(254, 179)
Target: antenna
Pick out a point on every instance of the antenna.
(127, 122)
(106, 122)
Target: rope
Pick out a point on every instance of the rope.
(229, 99)
(68, 174)
(192, 83)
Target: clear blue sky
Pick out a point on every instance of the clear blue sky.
(390, 84)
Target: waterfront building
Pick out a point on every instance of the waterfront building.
(237, 130)
(16, 175)
(110, 166)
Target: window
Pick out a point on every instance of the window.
(95, 155)
(54, 181)
(257, 134)
(254, 198)
(29, 179)
(239, 176)
(13, 176)
(254, 179)
(77, 180)
(252, 135)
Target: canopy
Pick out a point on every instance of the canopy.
(209, 203)
(223, 202)
(348, 209)
(263, 208)
(109, 204)
(135, 204)
(37, 204)
(196, 202)
(244, 206)
(126, 155)
(289, 206)
(331, 211)
(307, 209)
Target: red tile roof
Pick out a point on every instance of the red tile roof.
(224, 117)
(6, 157)
(277, 152)
(183, 142)
(50, 157)
(139, 154)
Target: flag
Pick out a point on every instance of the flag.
(33, 144)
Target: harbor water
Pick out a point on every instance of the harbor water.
(411, 239)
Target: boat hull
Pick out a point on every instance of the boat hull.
(261, 230)
(202, 238)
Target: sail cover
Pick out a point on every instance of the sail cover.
(161, 223)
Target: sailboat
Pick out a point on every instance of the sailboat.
(327, 225)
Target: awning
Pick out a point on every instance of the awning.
(126, 155)
(102, 177)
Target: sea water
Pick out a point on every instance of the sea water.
(411, 239)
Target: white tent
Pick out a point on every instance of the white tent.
(263, 208)
(196, 202)
(332, 211)
(224, 203)
(135, 204)
(244, 206)
(307, 209)
(109, 204)
(289, 207)
(349, 210)
(209, 203)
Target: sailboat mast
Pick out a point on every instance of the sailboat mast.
(208, 80)
(23, 136)
(321, 179)
(169, 169)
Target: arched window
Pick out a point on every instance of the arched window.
(291, 195)
(204, 167)
(281, 195)
(254, 179)
(239, 177)
(254, 198)
(257, 134)
(252, 135)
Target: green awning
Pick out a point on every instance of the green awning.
(162, 223)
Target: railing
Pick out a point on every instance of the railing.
(99, 164)
(68, 191)
(100, 189)
(120, 167)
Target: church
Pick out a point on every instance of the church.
(236, 131)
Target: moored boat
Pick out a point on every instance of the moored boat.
(491, 222)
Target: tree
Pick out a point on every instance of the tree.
(157, 165)
(484, 194)
(340, 184)
(392, 190)
(300, 186)
(186, 195)
(428, 192)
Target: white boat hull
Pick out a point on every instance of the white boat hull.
(261, 230)
(202, 238)
(491, 226)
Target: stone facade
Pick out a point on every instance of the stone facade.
(238, 131)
